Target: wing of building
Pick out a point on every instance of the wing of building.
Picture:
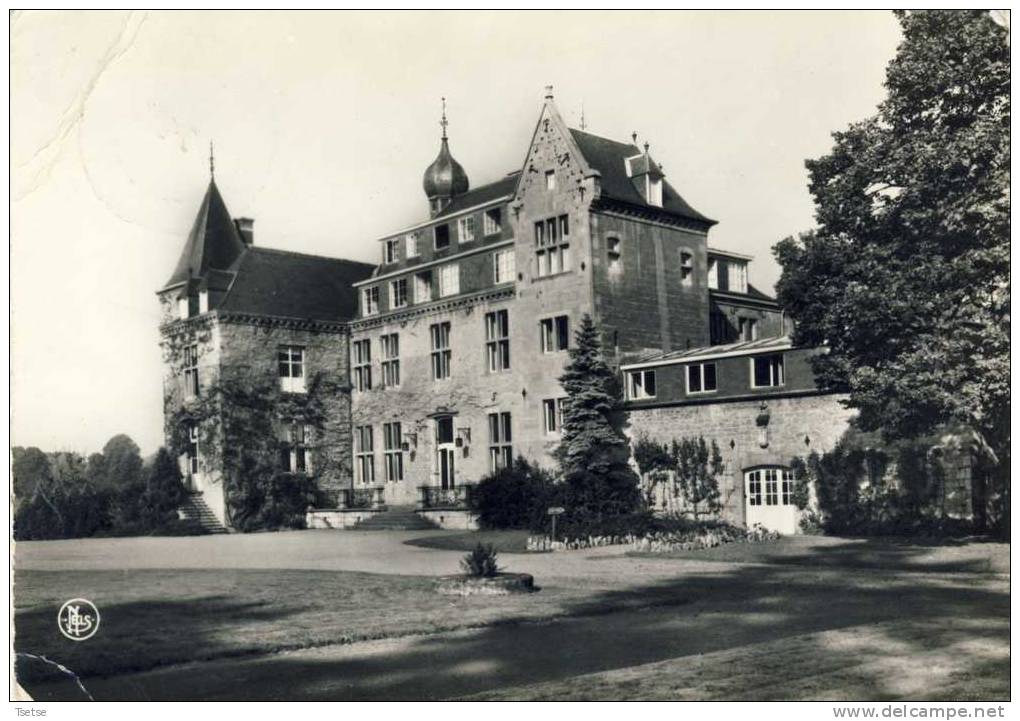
(394, 388)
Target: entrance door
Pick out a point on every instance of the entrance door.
(445, 451)
(769, 499)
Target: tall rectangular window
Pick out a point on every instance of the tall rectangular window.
(493, 221)
(497, 340)
(295, 455)
(390, 344)
(555, 333)
(423, 287)
(503, 263)
(686, 268)
(398, 293)
(391, 250)
(614, 255)
(449, 280)
(500, 449)
(191, 371)
(748, 329)
(370, 300)
(767, 371)
(411, 245)
(552, 415)
(466, 229)
(364, 455)
(552, 246)
(701, 378)
(192, 451)
(550, 180)
(393, 458)
(641, 385)
(713, 274)
(441, 234)
(291, 367)
(440, 333)
(736, 279)
(362, 365)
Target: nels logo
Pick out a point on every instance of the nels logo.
(78, 619)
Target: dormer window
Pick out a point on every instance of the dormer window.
(203, 301)
(411, 240)
(370, 300)
(442, 236)
(391, 251)
(493, 222)
(182, 307)
(654, 191)
(466, 229)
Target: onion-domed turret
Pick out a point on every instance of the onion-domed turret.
(445, 178)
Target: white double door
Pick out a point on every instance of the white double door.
(768, 494)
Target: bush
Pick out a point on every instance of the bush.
(516, 497)
(481, 562)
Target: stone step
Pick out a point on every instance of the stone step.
(394, 519)
(198, 517)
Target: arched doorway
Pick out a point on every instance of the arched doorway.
(768, 494)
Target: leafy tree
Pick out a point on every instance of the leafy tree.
(698, 466)
(122, 461)
(687, 469)
(95, 471)
(164, 492)
(906, 278)
(30, 469)
(594, 450)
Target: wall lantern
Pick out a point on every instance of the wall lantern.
(410, 442)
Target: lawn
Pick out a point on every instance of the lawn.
(503, 541)
(152, 618)
(895, 554)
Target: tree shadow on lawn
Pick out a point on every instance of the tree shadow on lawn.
(698, 613)
(894, 554)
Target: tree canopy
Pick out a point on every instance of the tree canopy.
(906, 278)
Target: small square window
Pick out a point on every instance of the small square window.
(641, 385)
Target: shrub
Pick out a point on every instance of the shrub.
(481, 562)
(514, 497)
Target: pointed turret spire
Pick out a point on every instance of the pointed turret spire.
(214, 241)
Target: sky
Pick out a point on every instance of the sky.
(323, 124)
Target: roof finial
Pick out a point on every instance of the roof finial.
(646, 147)
(444, 122)
(633, 136)
(548, 92)
(582, 116)
(212, 162)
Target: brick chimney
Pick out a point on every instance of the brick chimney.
(246, 227)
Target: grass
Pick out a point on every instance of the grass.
(153, 618)
(905, 660)
(865, 553)
(503, 541)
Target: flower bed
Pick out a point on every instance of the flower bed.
(680, 539)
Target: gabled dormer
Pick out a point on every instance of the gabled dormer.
(646, 177)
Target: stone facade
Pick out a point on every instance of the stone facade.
(796, 426)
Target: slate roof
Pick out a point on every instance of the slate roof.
(212, 243)
(294, 285)
(609, 158)
(762, 345)
(481, 195)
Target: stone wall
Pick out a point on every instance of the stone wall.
(246, 349)
(796, 426)
(644, 302)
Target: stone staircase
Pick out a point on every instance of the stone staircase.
(198, 517)
(396, 518)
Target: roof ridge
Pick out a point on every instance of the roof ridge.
(281, 251)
